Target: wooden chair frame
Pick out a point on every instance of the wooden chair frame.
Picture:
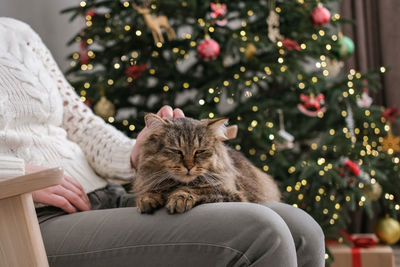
(21, 242)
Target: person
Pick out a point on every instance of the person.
(88, 221)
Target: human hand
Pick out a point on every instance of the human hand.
(68, 196)
(164, 112)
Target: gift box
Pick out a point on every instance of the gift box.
(351, 256)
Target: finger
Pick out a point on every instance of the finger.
(63, 203)
(74, 182)
(59, 202)
(165, 112)
(136, 148)
(76, 187)
(142, 135)
(72, 197)
(178, 113)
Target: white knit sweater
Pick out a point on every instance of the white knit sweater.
(43, 121)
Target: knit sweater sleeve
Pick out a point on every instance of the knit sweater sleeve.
(106, 149)
(11, 167)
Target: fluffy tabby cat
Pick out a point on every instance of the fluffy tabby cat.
(184, 162)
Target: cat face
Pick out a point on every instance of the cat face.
(185, 147)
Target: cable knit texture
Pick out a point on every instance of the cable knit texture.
(44, 122)
(11, 167)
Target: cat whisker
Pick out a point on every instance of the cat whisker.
(154, 180)
(165, 177)
(210, 180)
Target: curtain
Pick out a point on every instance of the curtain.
(376, 35)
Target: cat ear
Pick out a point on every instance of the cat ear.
(153, 120)
(219, 128)
(231, 131)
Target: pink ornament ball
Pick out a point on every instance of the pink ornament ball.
(208, 49)
(320, 16)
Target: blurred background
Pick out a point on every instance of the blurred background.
(312, 84)
(45, 18)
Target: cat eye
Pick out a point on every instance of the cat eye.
(199, 152)
(176, 151)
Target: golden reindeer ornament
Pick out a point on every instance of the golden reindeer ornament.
(155, 23)
(273, 23)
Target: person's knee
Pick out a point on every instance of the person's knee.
(258, 232)
(310, 242)
(250, 221)
(307, 234)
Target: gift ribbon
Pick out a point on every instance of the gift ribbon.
(358, 243)
(356, 257)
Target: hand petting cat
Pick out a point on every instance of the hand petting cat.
(164, 112)
(69, 195)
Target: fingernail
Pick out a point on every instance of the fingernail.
(178, 113)
(168, 112)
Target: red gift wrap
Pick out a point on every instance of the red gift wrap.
(362, 253)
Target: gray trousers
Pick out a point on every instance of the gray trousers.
(217, 234)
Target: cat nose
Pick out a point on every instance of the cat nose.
(188, 164)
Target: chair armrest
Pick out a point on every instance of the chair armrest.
(31, 182)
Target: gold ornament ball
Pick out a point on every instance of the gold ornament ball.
(104, 108)
(388, 230)
(251, 51)
(374, 191)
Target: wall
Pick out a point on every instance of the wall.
(45, 18)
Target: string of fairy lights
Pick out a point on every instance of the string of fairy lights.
(242, 34)
(267, 69)
(370, 146)
(236, 76)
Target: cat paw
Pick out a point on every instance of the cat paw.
(179, 202)
(149, 202)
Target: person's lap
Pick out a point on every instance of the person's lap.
(218, 234)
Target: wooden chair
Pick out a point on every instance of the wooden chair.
(21, 243)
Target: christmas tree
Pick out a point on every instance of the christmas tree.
(274, 68)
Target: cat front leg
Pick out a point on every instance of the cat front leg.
(148, 202)
(181, 200)
(218, 194)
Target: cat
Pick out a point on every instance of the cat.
(184, 162)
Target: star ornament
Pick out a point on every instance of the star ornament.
(391, 143)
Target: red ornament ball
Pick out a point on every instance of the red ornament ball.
(91, 13)
(208, 49)
(320, 16)
(83, 53)
(84, 57)
(88, 102)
